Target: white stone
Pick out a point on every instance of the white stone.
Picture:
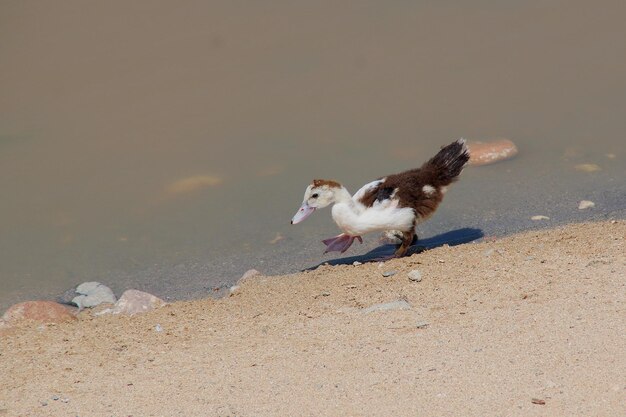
(92, 295)
(87, 287)
(415, 275)
(585, 204)
(539, 217)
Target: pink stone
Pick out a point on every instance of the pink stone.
(485, 153)
(42, 311)
(135, 302)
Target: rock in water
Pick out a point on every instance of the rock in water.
(87, 287)
(485, 153)
(42, 311)
(135, 302)
(585, 204)
(93, 294)
(539, 217)
(587, 167)
(190, 184)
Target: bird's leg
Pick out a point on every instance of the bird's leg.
(407, 239)
(340, 243)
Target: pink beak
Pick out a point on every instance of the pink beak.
(304, 212)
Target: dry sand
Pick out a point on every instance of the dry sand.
(512, 323)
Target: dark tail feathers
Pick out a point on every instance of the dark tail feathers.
(447, 165)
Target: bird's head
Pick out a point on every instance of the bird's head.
(319, 194)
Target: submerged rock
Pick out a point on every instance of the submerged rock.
(587, 167)
(539, 217)
(194, 183)
(277, 238)
(485, 153)
(92, 294)
(42, 311)
(585, 204)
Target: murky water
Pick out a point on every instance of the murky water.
(106, 108)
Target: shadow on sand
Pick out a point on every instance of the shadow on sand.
(452, 238)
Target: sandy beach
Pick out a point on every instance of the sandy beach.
(531, 324)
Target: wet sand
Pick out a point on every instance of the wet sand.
(531, 324)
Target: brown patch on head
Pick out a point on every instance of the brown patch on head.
(329, 183)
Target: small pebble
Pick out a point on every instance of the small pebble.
(540, 218)
(356, 263)
(387, 274)
(65, 400)
(55, 398)
(158, 328)
(585, 204)
(415, 275)
(421, 324)
(325, 294)
(538, 401)
(587, 167)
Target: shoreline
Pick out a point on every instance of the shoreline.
(200, 279)
(524, 325)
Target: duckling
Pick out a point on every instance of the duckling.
(397, 202)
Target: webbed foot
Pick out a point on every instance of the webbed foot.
(340, 243)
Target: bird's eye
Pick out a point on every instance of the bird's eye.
(315, 195)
